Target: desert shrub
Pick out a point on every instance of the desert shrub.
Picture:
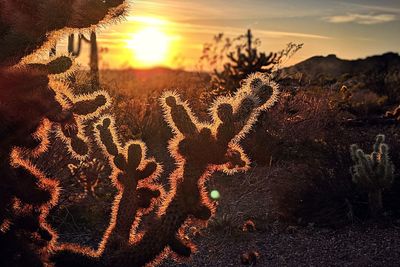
(308, 131)
(233, 59)
(310, 113)
(302, 193)
(366, 103)
(141, 116)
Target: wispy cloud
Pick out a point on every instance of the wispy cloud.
(389, 7)
(365, 19)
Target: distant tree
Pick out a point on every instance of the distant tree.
(232, 60)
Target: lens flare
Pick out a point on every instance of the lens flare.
(215, 194)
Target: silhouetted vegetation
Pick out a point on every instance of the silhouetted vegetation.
(122, 176)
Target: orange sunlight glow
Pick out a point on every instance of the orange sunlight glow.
(150, 45)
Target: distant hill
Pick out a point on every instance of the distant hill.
(377, 73)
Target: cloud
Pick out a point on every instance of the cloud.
(364, 19)
(184, 28)
(383, 7)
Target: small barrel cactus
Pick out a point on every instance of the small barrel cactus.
(373, 172)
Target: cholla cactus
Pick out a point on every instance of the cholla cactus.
(30, 104)
(26, 26)
(242, 63)
(24, 114)
(199, 149)
(373, 172)
(134, 175)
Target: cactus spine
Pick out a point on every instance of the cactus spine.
(373, 172)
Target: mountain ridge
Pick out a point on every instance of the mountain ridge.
(334, 66)
(379, 73)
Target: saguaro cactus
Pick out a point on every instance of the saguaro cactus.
(373, 172)
(94, 55)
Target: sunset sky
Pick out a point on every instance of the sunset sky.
(172, 32)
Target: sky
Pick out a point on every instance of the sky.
(172, 32)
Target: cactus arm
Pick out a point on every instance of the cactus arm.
(89, 106)
(148, 170)
(107, 137)
(180, 117)
(57, 66)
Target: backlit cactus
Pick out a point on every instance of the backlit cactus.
(373, 172)
(35, 99)
(28, 114)
(134, 175)
(26, 26)
(199, 149)
(84, 109)
(30, 107)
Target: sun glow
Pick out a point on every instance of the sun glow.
(150, 46)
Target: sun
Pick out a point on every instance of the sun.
(150, 46)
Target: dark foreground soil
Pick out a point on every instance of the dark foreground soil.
(246, 196)
(370, 245)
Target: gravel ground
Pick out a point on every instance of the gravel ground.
(352, 246)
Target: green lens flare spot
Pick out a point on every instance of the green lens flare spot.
(215, 194)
